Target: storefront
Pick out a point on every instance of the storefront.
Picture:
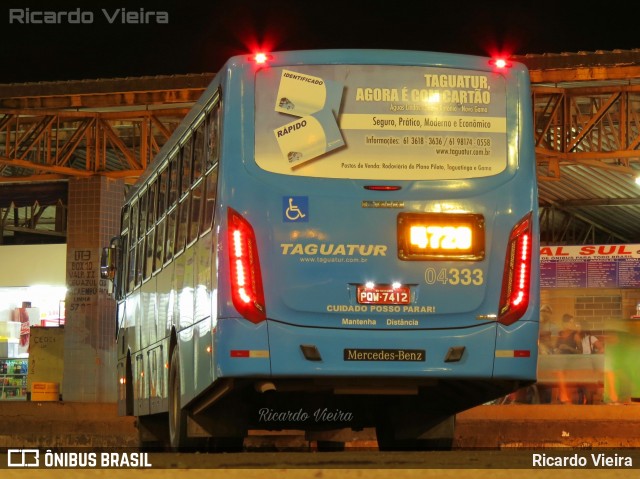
(32, 298)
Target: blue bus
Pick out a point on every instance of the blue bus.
(332, 240)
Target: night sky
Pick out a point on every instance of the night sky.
(200, 35)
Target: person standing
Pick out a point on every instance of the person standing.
(546, 345)
(567, 337)
(588, 343)
(566, 345)
(548, 330)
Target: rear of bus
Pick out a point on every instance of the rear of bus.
(380, 249)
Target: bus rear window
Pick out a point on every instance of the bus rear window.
(380, 122)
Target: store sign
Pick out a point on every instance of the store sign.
(590, 266)
(83, 280)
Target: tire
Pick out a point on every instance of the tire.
(177, 416)
(438, 437)
(227, 444)
(330, 446)
(153, 432)
(177, 431)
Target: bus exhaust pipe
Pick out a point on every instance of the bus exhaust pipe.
(265, 386)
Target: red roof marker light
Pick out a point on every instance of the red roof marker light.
(261, 58)
(500, 63)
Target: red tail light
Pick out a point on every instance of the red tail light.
(246, 279)
(516, 280)
(382, 187)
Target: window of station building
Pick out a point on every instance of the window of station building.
(183, 222)
(196, 205)
(211, 181)
(213, 128)
(199, 150)
(186, 157)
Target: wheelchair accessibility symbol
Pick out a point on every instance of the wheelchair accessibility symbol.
(295, 209)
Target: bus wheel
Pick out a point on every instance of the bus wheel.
(153, 432)
(177, 416)
(227, 444)
(438, 437)
(330, 446)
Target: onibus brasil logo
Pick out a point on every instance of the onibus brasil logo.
(34, 458)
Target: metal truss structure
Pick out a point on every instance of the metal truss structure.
(53, 132)
(586, 109)
(46, 135)
(587, 141)
(594, 126)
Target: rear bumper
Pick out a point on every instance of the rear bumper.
(274, 349)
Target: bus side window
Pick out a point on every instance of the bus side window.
(196, 206)
(142, 231)
(198, 151)
(173, 181)
(133, 243)
(120, 283)
(213, 140)
(149, 239)
(183, 223)
(142, 214)
(151, 205)
(159, 249)
(140, 260)
(163, 192)
(122, 272)
(124, 223)
(170, 235)
(131, 283)
(210, 199)
(149, 254)
(186, 158)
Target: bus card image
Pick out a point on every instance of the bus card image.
(302, 95)
(308, 137)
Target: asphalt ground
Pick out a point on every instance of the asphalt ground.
(71, 424)
(491, 441)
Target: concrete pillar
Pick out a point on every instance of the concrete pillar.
(93, 218)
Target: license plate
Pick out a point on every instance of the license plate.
(383, 294)
(411, 355)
